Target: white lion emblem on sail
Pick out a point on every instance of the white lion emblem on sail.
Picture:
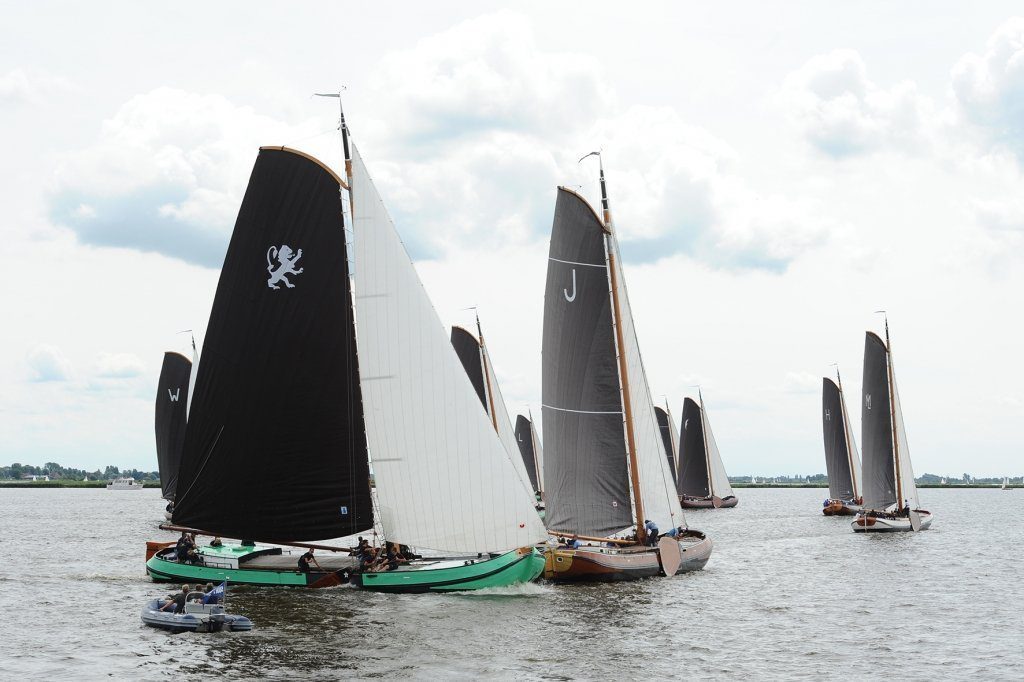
(285, 265)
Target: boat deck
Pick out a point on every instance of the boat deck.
(284, 562)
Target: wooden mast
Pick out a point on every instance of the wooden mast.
(487, 375)
(892, 418)
(627, 405)
(707, 454)
(846, 436)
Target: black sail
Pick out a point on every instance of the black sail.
(468, 349)
(879, 480)
(171, 403)
(693, 460)
(585, 462)
(524, 435)
(276, 447)
(666, 438)
(837, 453)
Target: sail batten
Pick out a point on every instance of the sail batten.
(274, 449)
(444, 479)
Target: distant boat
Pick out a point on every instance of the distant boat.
(1006, 484)
(171, 417)
(605, 468)
(668, 437)
(124, 484)
(890, 493)
(476, 361)
(702, 482)
(841, 459)
(532, 453)
(944, 481)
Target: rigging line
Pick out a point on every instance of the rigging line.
(570, 262)
(564, 409)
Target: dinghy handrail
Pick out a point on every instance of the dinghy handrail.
(305, 545)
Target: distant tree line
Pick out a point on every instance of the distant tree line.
(57, 472)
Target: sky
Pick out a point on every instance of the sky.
(777, 172)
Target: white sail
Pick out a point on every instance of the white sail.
(506, 432)
(444, 479)
(906, 469)
(852, 446)
(657, 486)
(716, 470)
(192, 378)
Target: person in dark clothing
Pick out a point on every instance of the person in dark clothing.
(177, 601)
(305, 560)
(216, 542)
(181, 548)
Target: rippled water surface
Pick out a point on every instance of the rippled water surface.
(788, 593)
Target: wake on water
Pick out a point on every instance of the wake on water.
(517, 590)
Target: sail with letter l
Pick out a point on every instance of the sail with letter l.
(444, 479)
(275, 446)
(528, 447)
(667, 437)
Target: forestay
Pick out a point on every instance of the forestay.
(879, 478)
(719, 479)
(444, 479)
(657, 485)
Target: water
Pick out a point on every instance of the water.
(788, 594)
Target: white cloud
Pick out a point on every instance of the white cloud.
(119, 366)
(20, 86)
(167, 174)
(47, 363)
(989, 88)
(841, 112)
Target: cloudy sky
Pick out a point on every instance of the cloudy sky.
(776, 176)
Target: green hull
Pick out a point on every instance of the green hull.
(229, 556)
(518, 566)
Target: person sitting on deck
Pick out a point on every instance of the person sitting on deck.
(177, 600)
(181, 548)
(304, 562)
(407, 553)
(216, 542)
(676, 532)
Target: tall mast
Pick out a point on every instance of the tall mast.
(892, 417)
(627, 405)
(707, 455)
(344, 140)
(846, 434)
(487, 375)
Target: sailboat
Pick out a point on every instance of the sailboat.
(171, 415)
(890, 493)
(1006, 484)
(287, 414)
(841, 460)
(605, 470)
(668, 437)
(702, 481)
(530, 449)
(476, 361)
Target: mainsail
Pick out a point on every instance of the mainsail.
(275, 449)
(468, 349)
(667, 438)
(525, 438)
(693, 477)
(444, 479)
(588, 438)
(841, 460)
(171, 401)
(701, 471)
(876, 427)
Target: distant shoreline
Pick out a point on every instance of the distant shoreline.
(156, 484)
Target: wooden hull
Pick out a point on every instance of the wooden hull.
(606, 564)
(840, 508)
(444, 575)
(688, 502)
(865, 523)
